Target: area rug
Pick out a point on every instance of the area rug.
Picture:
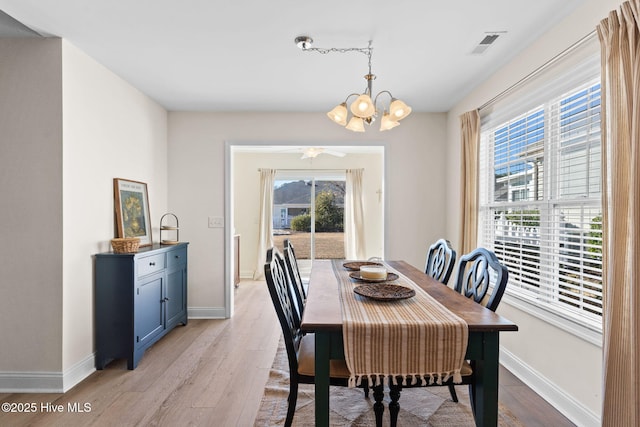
(418, 406)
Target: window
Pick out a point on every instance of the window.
(540, 197)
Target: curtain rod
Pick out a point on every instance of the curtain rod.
(537, 71)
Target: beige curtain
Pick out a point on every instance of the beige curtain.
(470, 139)
(353, 216)
(265, 224)
(620, 44)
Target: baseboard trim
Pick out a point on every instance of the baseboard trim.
(79, 372)
(206, 313)
(47, 382)
(246, 275)
(569, 407)
(31, 382)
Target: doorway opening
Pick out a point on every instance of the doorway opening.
(322, 177)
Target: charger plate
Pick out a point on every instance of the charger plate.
(355, 265)
(356, 275)
(384, 292)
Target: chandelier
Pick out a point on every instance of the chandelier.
(365, 108)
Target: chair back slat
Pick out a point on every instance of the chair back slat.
(294, 275)
(477, 271)
(441, 259)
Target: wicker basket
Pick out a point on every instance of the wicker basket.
(125, 245)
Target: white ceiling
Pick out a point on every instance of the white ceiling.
(213, 55)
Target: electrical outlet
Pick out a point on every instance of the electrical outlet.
(216, 222)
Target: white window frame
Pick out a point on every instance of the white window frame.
(539, 91)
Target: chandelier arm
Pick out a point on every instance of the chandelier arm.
(350, 95)
(375, 101)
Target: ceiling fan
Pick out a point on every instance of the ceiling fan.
(313, 152)
(309, 152)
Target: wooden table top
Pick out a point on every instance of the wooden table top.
(323, 313)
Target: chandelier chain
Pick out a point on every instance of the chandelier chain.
(325, 50)
(364, 50)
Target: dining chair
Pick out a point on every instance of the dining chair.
(301, 348)
(294, 274)
(441, 259)
(477, 271)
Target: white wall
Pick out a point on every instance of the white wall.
(69, 126)
(564, 368)
(110, 130)
(196, 182)
(247, 196)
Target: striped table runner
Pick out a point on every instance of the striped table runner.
(415, 338)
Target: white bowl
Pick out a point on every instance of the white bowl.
(373, 272)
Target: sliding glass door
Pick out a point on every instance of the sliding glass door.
(309, 211)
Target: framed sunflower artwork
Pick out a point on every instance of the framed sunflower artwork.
(132, 210)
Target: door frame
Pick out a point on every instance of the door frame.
(229, 225)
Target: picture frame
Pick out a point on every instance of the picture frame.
(133, 218)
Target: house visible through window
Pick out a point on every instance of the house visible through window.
(540, 200)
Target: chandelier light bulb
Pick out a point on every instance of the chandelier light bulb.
(363, 106)
(398, 109)
(399, 113)
(339, 114)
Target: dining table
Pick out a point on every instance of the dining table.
(323, 317)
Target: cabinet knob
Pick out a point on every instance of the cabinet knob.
(152, 264)
(177, 256)
(165, 299)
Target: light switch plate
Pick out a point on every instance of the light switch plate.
(216, 222)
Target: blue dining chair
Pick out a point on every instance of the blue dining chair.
(441, 258)
(482, 277)
(300, 347)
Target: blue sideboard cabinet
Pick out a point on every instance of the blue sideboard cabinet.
(139, 297)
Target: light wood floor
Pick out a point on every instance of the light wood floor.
(210, 372)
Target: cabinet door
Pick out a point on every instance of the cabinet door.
(176, 303)
(149, 309)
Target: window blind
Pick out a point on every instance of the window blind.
(540, 186)
(579, 63)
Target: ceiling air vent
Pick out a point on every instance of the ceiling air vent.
(487, 41)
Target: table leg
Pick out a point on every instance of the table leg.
(323, 351)
(484, 390)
